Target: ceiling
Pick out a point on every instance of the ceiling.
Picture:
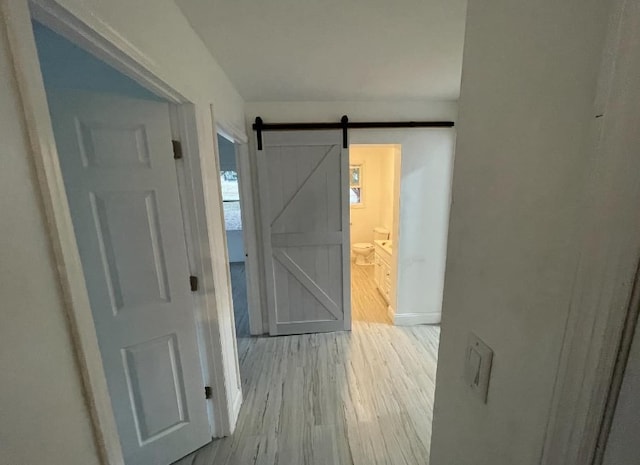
(318, 50)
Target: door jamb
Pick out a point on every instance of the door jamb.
(346, 237)
(249, 234)
(189, 175)
(106, 44)
(382, 139)
(603, 293)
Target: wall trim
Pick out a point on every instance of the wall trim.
(248, 213)
(608, 261)
(84, 28)
(391, 312)
(413, 319)
(232, 132)
(250, 238)
(22, 49)
(235, 409)
(198, 243)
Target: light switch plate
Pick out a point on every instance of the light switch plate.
(477, 367)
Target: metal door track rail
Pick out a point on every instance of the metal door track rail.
(259, 126)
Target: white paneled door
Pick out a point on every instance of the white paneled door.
(120, 177)
(303, 180)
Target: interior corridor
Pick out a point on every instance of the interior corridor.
(363, 397)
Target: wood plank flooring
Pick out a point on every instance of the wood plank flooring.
(239, 294)
(363, 397)
(366, 302)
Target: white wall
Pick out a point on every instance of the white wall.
(419, 228)
(426, 163)
(410, 110)
(425, 197)
(522, 152)
(43, 416)
(43, 413)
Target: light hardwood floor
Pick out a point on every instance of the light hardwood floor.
(366, 302)
(363, 397)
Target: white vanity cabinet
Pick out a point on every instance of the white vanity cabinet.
(382, 273)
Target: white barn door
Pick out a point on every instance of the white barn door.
(120, 177)
(304, 183)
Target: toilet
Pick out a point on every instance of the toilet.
(363, 250)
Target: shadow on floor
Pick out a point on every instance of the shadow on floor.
(240, 306)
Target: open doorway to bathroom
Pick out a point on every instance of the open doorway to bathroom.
(374, 197)
(230, 187)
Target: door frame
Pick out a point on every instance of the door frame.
(363, 141)
(248, 213)
(106, 44)
(596, 337)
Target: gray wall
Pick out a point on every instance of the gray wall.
(64, 65)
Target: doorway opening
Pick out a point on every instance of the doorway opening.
(236, 249)
(374, 203)
(119, 146)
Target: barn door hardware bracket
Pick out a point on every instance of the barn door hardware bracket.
(258, 127)
(177, 149)
(344, 121)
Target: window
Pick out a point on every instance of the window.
(231, 200)
(355, 185)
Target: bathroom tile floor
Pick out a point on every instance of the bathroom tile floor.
(363, 397)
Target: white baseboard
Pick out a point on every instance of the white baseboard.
(412, 319)
(391, 313)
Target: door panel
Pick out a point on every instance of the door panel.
(155, 366)
(305, 214)
(126, 223)
(120, 178)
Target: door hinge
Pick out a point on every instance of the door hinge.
(177, 149)
(208, 393)
(193, 282)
